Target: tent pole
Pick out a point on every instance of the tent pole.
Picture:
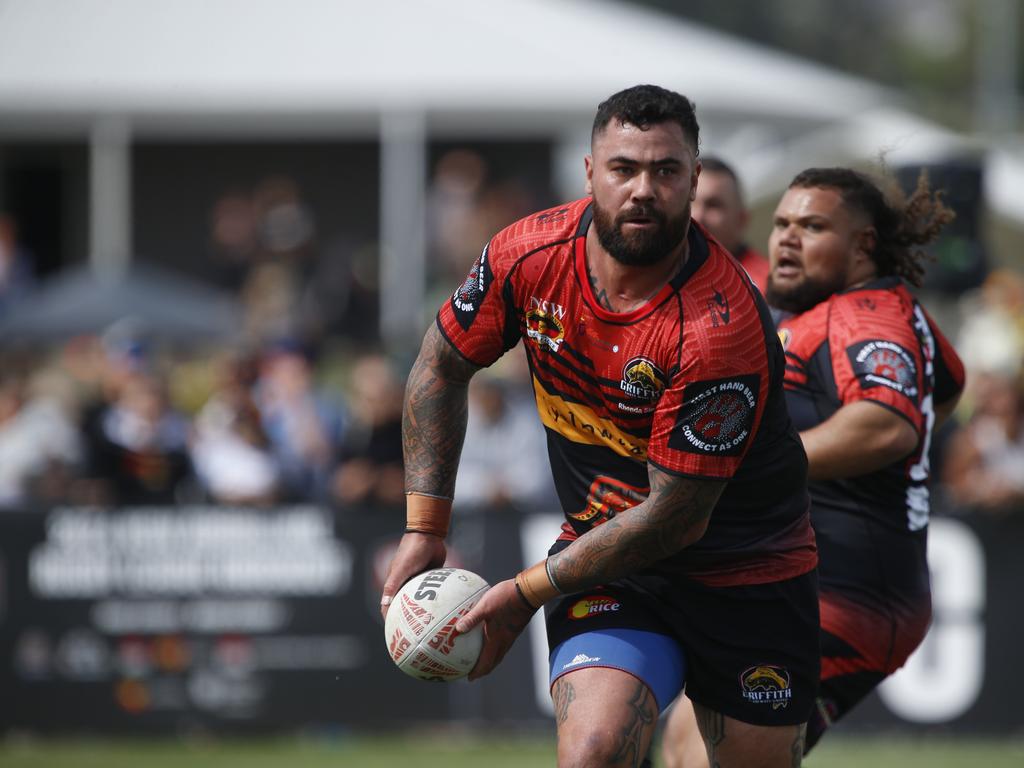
(110, 204)
(403, 153)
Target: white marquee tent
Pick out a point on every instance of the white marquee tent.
(408, 70)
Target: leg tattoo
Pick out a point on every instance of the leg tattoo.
(712, 728)
(644, 714)
(563, 696)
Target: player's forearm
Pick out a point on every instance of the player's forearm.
(673, 517)
(434, 417)
(859, 438)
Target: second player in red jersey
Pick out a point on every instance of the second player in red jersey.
(868, 377)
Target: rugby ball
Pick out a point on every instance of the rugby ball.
(420, 625)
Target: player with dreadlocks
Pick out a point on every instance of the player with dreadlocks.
(869, 377)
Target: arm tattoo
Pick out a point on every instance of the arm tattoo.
(434, 418)
(563, 695)
(673, 516)
(599, 293)
(644, 718)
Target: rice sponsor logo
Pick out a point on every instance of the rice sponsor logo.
(767, 684)
(593, 606)
(581, 658)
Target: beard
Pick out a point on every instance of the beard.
(803, 295)
(640, 248)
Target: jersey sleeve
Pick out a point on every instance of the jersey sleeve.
(478, 319)
(707, 418)
(949, 369)
(876, 356)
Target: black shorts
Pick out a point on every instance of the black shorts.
(751, 651)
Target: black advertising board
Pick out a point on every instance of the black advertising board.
(158, 620)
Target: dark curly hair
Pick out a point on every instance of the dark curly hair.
(647, 105)
(903, 223)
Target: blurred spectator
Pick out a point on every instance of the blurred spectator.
(371, 469)
(992, 334)
(719, 207)
(230, 450)
(984, 461)
(233, 240)
(137, 446)
(305, 425)
(16, 268)
(40, 447)
(504, 458)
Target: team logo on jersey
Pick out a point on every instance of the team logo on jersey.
(767, 684)
(467, 299)
(545, 329)
(881, 363)
(716, 416)
(642, 379)
(785, 336)
(593, 606)
(718, 308)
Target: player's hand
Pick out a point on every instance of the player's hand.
(417, 552)
(504, 616)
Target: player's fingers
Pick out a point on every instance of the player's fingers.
(470, 620)
(489, 656)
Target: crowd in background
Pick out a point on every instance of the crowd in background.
(306, 406)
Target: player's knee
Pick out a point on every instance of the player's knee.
(595, 748)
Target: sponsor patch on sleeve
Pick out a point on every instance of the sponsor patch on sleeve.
(716, 417)
(880, 363)
(467, 299)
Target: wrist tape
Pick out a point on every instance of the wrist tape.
(535, 585)
(427, 514)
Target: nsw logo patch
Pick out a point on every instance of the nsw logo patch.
(880, 363)
(717, 416)
(467, 299)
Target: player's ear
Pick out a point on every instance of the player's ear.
(697, 167)
(867, 240)
(588, 164)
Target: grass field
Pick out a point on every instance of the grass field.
(457, 752)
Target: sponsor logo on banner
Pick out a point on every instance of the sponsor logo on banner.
(593, 606)
(716, 417)
(880, 363)
(767, 684)
(467, 299)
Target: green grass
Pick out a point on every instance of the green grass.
(457, 751)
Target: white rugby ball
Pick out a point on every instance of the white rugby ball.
(420, 625)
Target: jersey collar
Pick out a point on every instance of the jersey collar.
(698, 255)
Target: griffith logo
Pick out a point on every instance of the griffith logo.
(642, 379)
(545, 329)
(592, 606)
(767, 684)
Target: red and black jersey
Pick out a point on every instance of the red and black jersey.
(872, 343)
(755, 264)
(691, 381)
